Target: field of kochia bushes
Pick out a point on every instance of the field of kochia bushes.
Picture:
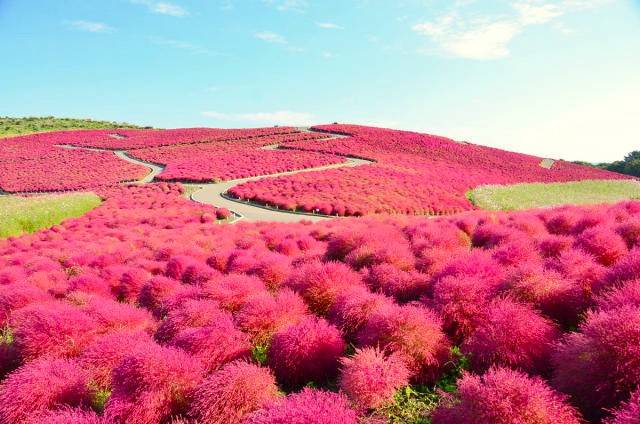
(411, 173)
(146, 310)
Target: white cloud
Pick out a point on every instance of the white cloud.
(488, 37)
(169, 9)
(287, 5)
(270, 37)
(327, 55)
(281, 117)
(90, 26)
(328, 25)
(163, 8)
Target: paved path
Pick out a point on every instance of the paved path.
(214, 193)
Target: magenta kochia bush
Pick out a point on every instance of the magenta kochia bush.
(504, 396)
(414, 333)
(152, 384)
(598, 366)
(215, 344)
(628, 412)
(67, 415)
(603, 243)
(512, 335)
(626, 294)
(320, 283)
(404, 286)
(263, 314)
(42, 385)
(229, 394)
(52, 328)
(304, 352)
(16, 295)
(353, 307)
(190, 313)
(310, 406)
(370, 378)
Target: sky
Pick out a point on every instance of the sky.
(555, 78)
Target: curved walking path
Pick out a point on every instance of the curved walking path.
(215, 193)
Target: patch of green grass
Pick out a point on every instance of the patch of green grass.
(16, 126)
(527, 196)
(259, 353)
(415, 404)
(19, 215)
(189, 189)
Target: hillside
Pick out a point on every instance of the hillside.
(15, 126)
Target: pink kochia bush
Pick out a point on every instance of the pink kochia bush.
(513, 335)
(229, 394)
(412, 332)
(67, 415)
(309, 406)
(152, 384)
(304, 352)
(42, 385)
(598, 366)
(628, 412)
(504, 396)
(370, 378)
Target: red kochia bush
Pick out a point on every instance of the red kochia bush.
(41, 385)
(512, 335)
(263, 314)
(627, 294)
(215, 345)
(190, 313)
(310, 406)
(599, 365)
(232, 392)
(370, 378)
(307, 351)
(504, 396)
(105, 353)
(404, 286)
(603, 243)
(354, 306)
(156, 291)
(320, 283)
(52, 328)
(67, 415)
(152, 384)
(414, 333)
(16, 295)
(231, 291)
(628, 412)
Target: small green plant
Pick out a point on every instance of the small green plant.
(6, 335)
(259, 353)
(100, 399)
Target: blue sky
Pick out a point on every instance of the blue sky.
(558, 78)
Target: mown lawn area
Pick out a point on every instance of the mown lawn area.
(16, 126)
(526, 196)
(19, 215)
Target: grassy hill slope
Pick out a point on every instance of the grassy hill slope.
(15, 126)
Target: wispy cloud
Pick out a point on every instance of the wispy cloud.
(181, 45)
(163, 8)
(89, 26)
(328, 25)
(270, 37)
(287, 5)
(281, 117)
(486, 37)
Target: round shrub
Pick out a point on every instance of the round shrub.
(310, 406)
(304, 352)
(320, 283)
(404, 286)
(190, 313)
(628, 412)
(156, 291)
(551, 246)
(232, 392)
(231, 291)
(603, 243)
(67, 415)
(512, 335)
(504, 396)
(104, 354)
(54, 328)
(263, 314)
(598, 366)
(370, 378)
(152, 384)
(16, 295)
(414, 333)
(353, 307)
(42, 385)
(627, 294)
(215, 345)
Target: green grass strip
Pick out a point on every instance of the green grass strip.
(527, 196)
(19, 215)
(17, 126)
